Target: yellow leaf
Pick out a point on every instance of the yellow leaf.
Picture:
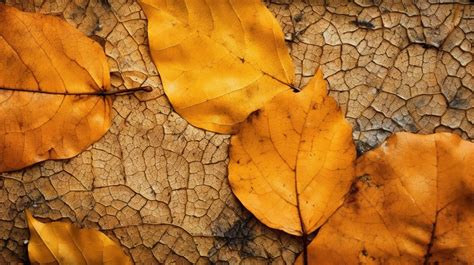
(62, 243)
(413, 204)
(218, 60)
(44, 58)
(292, 162)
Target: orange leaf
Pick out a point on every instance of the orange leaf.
(44, 58)
(62, 243)
(413, 204)
(218, 62)
(292, 162)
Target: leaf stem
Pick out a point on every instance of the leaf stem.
(295, 89)
(304, 238)
(95, 93)
(304, 235)
(428, 253)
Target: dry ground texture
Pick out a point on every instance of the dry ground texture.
(158, 185)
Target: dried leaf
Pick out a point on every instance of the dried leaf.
(292, 161)
(218, 62)
(413, 204)
(62, 243)
(44, 58)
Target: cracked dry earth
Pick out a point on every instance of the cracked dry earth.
(158, 185)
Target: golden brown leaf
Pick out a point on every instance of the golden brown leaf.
(62, 243)
(44, 58)
(218, 62)
(292, 161)
(413, 204)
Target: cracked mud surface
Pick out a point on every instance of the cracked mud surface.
(158, 185)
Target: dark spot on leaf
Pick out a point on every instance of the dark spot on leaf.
(365, 178)
(365, 253)
(256, 113)
(354, 189)
(351, 196)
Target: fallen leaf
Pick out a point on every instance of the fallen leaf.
(413, 204)
(292, 162)
(218, 62)
(62, 243)
(44, 58)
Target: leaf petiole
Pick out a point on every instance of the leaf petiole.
(98, 93)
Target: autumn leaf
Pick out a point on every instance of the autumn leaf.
(50, 78)
(292, 162)
(62, 243)
(218, 61)
(413, 204)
